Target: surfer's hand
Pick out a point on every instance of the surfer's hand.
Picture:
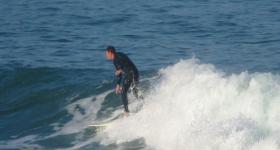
(126, 114)
(118, 89)
(118, 72)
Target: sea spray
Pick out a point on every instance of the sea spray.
(196, 106)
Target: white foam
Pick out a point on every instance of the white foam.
(80, 120)
(21, 143)
(195, 106)
(83, 112)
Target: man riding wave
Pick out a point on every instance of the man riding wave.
(126, 75)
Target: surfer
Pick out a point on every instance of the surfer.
(126, 75)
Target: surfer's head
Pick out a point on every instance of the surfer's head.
(110, 52)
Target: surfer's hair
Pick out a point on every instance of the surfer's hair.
(111, 49)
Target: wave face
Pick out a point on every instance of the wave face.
(196, 106)
(55, 79)
(188, 105)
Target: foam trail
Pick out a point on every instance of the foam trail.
(90, 107)
(84, 112)
(21, 143)
(195, 106)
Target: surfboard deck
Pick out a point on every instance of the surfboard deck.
(104, 124)
(99, 125)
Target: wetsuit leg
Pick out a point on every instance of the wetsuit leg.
(135, 85)
(135, 89)
(125, 87)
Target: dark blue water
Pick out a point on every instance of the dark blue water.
(52, 54)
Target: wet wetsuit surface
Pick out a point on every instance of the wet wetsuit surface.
(128, 76)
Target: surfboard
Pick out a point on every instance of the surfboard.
(99, 125)
(102, 125)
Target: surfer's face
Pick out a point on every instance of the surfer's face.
(109, 55)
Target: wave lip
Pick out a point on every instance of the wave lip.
(196, 106)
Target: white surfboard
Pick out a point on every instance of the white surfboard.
(99, 125)
(104, 124)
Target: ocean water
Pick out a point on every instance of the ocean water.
(210, 74)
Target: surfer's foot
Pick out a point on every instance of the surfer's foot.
(126, 114)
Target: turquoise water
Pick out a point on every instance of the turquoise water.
(196, 60)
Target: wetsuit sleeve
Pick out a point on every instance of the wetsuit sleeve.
(121, 62)
(123, 79)
(118, 79)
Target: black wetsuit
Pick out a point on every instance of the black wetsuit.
(128, 77)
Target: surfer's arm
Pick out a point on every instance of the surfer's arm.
(118, 75)
(119, 80)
